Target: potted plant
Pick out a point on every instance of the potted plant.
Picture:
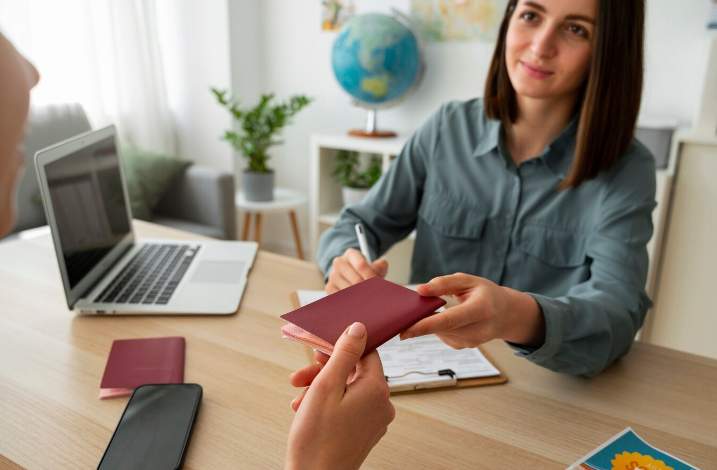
(259, 127)
(355, 183)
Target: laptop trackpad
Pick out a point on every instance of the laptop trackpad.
(222, 272)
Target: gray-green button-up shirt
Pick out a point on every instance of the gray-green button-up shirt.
(581, 253)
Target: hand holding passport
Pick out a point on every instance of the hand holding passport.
(385, 308)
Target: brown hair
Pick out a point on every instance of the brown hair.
(610, 99)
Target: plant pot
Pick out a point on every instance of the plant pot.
(353, 195)
(258, 187)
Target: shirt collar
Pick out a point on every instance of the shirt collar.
(557, 155)
(490, 138)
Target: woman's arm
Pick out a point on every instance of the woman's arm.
(485, 311)
(595, 322)
(388, 214)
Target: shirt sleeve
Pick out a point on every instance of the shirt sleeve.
(389, 210)
(596, 322)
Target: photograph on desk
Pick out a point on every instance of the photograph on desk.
(629, 451)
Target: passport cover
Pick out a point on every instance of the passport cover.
(383, 307)
(135, 362)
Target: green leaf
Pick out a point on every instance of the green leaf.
(259, 125)
(346, 170)
(219, 95)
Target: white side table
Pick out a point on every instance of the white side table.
(285, 200)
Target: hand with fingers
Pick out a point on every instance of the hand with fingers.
(352, 268)
(345, 409)
(485, 311)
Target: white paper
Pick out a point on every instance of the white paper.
(426, 354)
(308, 296)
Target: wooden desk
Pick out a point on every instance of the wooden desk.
(51, 364)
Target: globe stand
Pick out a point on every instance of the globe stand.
(370, 130)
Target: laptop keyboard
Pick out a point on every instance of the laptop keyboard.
(151, 276)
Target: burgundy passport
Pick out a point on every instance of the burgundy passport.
(383, 307)
(135, 362)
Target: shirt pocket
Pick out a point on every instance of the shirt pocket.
(449, 238)
(551, 259)
(553, 246)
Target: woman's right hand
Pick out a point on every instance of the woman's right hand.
(345, 409)
(352, 268)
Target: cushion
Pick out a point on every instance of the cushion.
(189, 226)
(47, 125)
(149, 176)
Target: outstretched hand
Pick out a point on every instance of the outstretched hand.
(485, 311)
(345, 410)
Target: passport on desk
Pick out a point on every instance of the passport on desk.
(135, 362)
(383, 307)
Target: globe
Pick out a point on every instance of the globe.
(378, 60)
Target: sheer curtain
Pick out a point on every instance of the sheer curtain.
(103, 54)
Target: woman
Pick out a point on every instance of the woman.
(345, 412)
(539, 192)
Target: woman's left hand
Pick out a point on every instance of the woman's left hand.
(485, 311)
(345, 410)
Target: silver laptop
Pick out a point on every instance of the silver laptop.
(104, 268)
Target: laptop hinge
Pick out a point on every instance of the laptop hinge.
(101, 277)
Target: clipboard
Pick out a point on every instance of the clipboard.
(449, 385)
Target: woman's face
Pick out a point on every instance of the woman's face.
(17, 77)
(549, 46)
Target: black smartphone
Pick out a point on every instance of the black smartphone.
(153, 432)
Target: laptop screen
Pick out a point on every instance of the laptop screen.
(89, 205)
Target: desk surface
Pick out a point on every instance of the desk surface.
(52, 360)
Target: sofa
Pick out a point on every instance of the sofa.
(201, 202)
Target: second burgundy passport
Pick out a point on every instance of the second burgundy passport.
(383, 307)
(141, 361)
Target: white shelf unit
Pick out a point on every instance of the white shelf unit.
(684, 275)
(325, 200)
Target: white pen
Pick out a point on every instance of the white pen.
(363, 243)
